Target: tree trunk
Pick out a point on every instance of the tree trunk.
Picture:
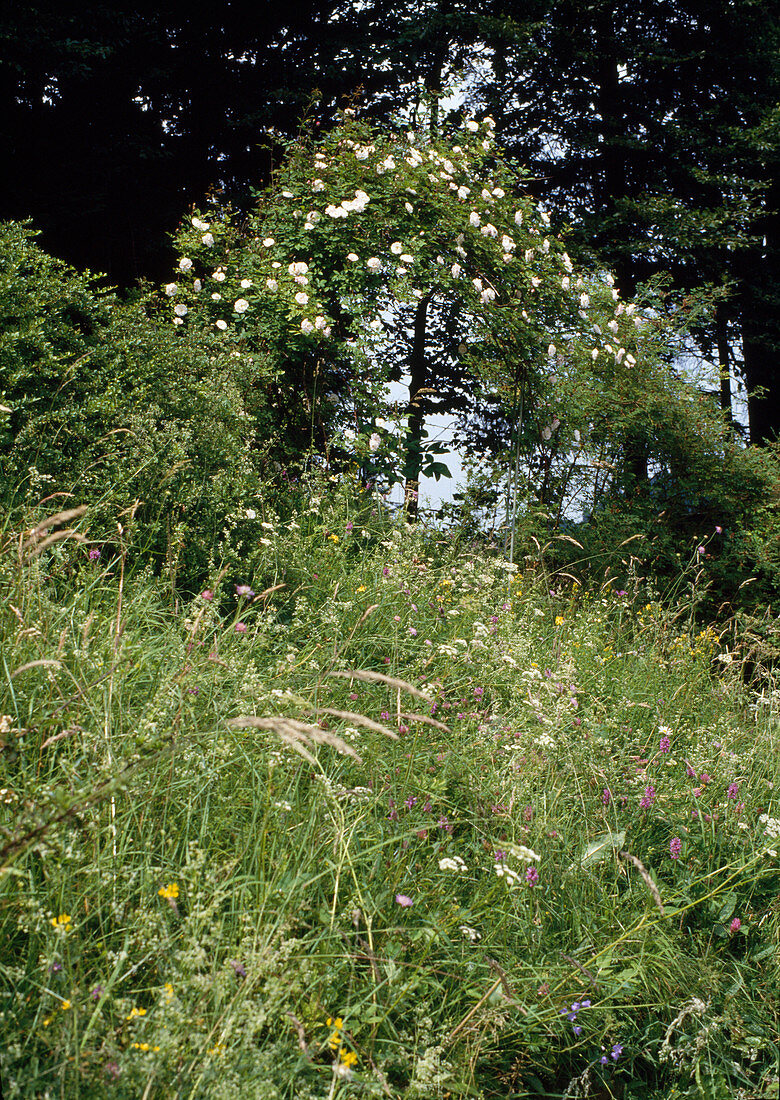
(760, 322)
(724, 359)
(418, 379)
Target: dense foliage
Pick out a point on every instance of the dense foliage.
(407, 822)
(651, 126)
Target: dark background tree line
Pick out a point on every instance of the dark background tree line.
(652, 128)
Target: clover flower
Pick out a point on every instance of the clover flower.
(648, 798)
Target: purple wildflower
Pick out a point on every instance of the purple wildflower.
(648, 798)
(403, 900)
(411, 801)
(733, 791)
(606, 796)
(665, 744)
(616, 1051)
(240, 628)
(735, 925)
(675, 847)
(245, 591)
(238, 968)
(532, 876)
(94, 554)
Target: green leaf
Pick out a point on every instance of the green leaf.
(602, 847)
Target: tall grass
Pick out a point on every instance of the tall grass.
(402, 821)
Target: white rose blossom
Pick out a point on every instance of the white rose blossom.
(170, 289)
(306, 327)
(221, 325)
(180, 309)
(185, 263)
(241, 305)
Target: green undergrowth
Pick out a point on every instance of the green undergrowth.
(395, 819)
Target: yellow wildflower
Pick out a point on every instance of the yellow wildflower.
(347, 1057)
(65, 1006)
(559, 620)
(61, 922)
(334, 1039)
(361, 588)
(168, 991)
(333, 538)
(136, 1012)
(169, 891)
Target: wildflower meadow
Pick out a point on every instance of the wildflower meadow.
(304, 796)
(407, 821)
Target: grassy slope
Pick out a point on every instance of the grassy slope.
(229, 917)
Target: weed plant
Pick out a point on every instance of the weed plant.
(383, 817)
